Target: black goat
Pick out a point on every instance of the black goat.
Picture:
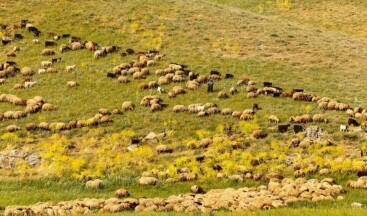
(353, 122)
(228, 76)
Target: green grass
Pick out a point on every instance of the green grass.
(304, 47)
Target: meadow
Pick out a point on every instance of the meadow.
(316, 45)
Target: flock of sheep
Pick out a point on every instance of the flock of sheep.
(276, 194)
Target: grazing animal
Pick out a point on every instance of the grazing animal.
(268, 84)
(111, 75)
(50, 43)
(283, 128)
(70, 68)
(213, 72)
(343, 128)
(255, 107)
(297, 128)
(41, 71)
(55, 60)
(18, 37)
(100, 53)
(161, 90)
(228, 76)
(352, 122)
(23, 23)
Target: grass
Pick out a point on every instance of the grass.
(314, 45)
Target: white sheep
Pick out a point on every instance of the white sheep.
(29, 84)
(41, 71)
(201, 108)
(100, 53)
(72, 83)
(70, 68)
(2, 81)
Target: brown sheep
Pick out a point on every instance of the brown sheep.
(27, 71)
(47, 52)
(128, 105)
(121, 193)
(12, 128)
(213, 110)
(155, 107)
(247, 117)
(143, 86)
(251, 88)
(259, 134)
(31, 127)
(179, 108)
(319, 118)
(222, 95)
(227, 111)
(123, 79)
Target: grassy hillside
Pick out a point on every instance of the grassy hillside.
(315, 45)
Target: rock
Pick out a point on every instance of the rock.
(314, 132)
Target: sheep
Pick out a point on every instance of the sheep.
(104, 111)
(35, 41)
(70, 68)
(94, 184)
(236, 114)
(143, 86)
(47, 52)
(2, 81)
(163, 149)
(213, 110)
(123, 79)
(246, 116)
(155, 107)
(178, 90)
(128, 105)
(233, 90)
(259, 134)
(18, 86)
(138, 75)
(152, 84)
(41, 71)
(202, 114)
(51, 70)
(72, 83)
(273, 119)
(12, 128)
(227, 111)
(77, 46)
(196, 189)
(343, 128)
(64, 48)
(121, 193)
(251, 88)
(148, 181)
(179, 108)
(46, 63)
(29, 84)
(27, 71)
(319, 118)
(31, 127)
(252, 95)
(100, 53)
(222, 95)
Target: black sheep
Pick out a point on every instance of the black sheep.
(111, 75)
(353, 122)
(297, 128)
(283, 128)
(228, 76)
